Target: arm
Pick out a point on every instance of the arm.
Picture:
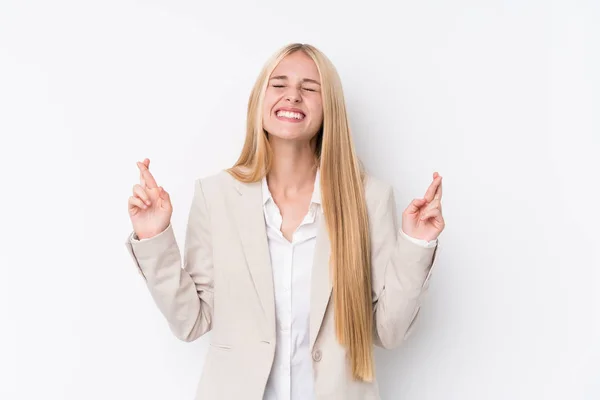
(183, 295)
(400, 269)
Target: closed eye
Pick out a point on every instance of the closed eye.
(307, 89)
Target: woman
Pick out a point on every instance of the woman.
(293, 257)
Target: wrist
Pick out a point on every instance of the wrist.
(150, 234)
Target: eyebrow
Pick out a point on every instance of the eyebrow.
(303, 80)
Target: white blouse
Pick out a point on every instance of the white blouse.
(292, 374)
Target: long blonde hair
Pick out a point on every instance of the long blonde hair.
(343, 202)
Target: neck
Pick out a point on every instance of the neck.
(294, 167)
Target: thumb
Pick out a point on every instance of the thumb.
(414, 206)
(163, 194)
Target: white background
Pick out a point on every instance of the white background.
(500, 97)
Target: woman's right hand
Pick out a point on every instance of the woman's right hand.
(150, 207)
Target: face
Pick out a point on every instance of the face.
(293, 106)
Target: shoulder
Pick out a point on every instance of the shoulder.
(215, 185)
(216, 179)
(381, 203)
(376, 190)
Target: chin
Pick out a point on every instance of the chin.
(289, 133)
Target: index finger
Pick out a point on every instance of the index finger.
(146, 177)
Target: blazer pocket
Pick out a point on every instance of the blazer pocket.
(220, 346)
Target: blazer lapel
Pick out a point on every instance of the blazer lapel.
(249, 217)
(321, 282)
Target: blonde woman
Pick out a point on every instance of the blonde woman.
(293, 257)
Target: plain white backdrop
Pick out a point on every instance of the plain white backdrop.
(500, 97)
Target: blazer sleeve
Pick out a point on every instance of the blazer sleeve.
(183, 295)
(400, 271)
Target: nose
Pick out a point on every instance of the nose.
(293, 95)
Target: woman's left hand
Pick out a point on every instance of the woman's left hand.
(423, 218)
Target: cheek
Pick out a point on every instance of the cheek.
(268, 103)
(317, 112)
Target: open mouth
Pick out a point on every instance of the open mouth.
(290, 115)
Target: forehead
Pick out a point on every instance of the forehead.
(297, 65)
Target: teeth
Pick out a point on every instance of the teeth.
(289, 114)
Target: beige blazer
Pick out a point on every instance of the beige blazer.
(226, 286)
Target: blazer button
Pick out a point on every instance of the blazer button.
(317, 355)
